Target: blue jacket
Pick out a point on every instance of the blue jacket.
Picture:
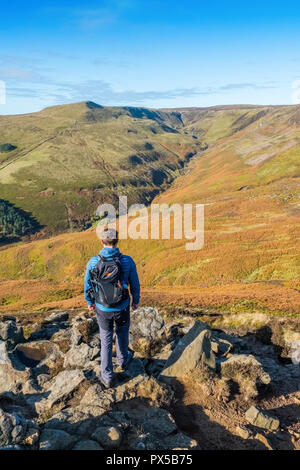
(129, 277)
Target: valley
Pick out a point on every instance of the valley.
(245, 170)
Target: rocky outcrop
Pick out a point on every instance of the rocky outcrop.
(42, 356)
(59, 388)
(11, 332)
(193, 349)
(51, 398)
(13, 374)
(147, 330)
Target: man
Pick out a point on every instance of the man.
(118, 314)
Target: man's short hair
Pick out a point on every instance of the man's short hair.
(110, 236)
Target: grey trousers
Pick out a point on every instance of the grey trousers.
(106, 322)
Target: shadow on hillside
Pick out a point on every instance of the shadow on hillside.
(19, 223)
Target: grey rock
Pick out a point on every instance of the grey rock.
(55, 439)
(261, 419)
(62, 336)
(83, 329)
(44, 333)
(63, 385)
(221, 346)
(77, 421)
(120, 417)
(87, 445)
(110, 437)
(80, 356)
(12, 373)
(14, 429)
(135, 368)
(11, 333)
(192, 350)
(43, 355)
(56, 317)
(3, 353)
(159, 422)
(98, 397)
(146, 323)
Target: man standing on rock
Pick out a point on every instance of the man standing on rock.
(107, 279)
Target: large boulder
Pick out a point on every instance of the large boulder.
(44, 355)
(84, 420)
(80, 356)
(13, 374)
(79, 420)
(192, 350)
(60, 388)
(155, 392)
(247, 372)
(146, 330)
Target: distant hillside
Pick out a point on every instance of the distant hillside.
(66, 160)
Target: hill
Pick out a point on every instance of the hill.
(62, 160)
(248, 179)
(58, 163)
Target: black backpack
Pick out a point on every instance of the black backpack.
(105, 277)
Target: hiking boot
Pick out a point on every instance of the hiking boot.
(106, 384)
(129, 357)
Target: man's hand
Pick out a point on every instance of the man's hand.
(135, 306)
(92, 307)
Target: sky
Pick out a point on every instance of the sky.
(155, 53)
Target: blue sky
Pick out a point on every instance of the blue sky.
(155, 53)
